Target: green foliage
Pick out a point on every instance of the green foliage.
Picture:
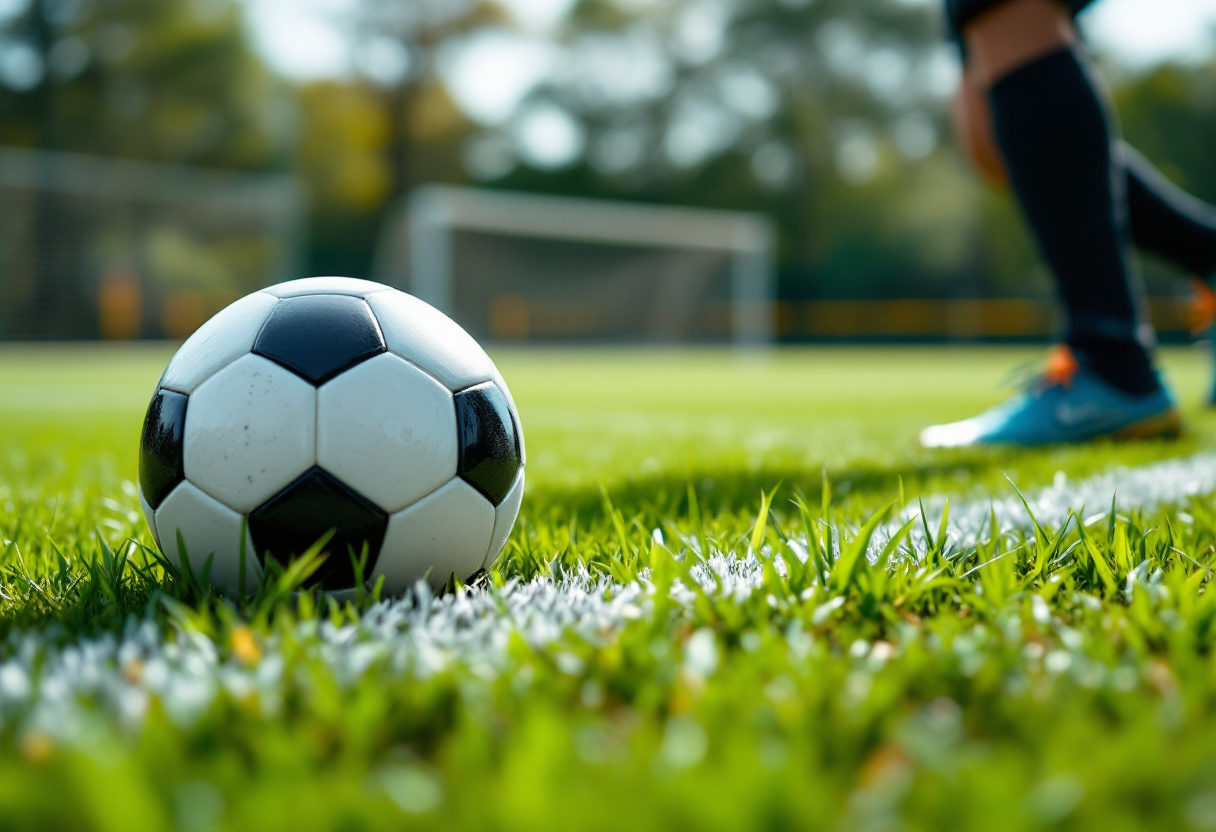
(1047, 679)
(166, 81)
(1168, 114)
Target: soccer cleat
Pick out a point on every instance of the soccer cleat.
(1202, 320)
(1067, 404)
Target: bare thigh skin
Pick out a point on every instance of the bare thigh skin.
(998, 42)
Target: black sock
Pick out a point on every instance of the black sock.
(1168, 221)
(1052, 128)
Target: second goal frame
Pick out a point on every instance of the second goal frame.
(416, 249)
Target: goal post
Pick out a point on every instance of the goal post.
(516, 266)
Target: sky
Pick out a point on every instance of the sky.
(1144, 32)
(489, 76)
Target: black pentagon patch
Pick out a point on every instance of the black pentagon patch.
(319, 336)
(296, 518)
(160, 446)
(489, 443)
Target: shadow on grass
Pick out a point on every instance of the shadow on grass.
(736, 490)
(723, 490)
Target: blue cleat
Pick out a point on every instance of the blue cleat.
(1068, 404)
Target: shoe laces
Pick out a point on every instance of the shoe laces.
(1201, 310)
(1058, 370)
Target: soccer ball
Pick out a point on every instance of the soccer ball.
(332, 404)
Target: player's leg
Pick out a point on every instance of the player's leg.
(973, 130)
(1168, 221)
(1163, 218)
(1058, 143)
(1059, 148)
(1173, 224)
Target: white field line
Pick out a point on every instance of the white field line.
(1145, 488)
(70, 691)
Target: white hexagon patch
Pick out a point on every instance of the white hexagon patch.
(446, 533)
(250, 431)
(217, 343)
(208, 529)
(421, 333)
(387, 430)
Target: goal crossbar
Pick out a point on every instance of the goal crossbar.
(418, 240)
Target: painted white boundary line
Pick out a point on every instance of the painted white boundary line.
(69, 690)
(1144, 488)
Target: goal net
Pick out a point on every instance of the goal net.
(93, 246)
(526, 267)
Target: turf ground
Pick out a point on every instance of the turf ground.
(670, 640)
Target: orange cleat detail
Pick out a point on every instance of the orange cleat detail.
(1202, 308)
(1061, 366)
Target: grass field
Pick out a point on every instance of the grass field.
(671, 640)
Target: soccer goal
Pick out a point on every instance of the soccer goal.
(95, 246)
(511, 266)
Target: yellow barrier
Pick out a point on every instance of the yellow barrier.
(516, 318)
(120, 305)
(954, 319)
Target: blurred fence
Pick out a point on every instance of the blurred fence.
(96, 247)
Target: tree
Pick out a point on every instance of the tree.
(165, 80)
(398, 46)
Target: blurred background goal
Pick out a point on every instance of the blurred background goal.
(521, 267)
(95, 247)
